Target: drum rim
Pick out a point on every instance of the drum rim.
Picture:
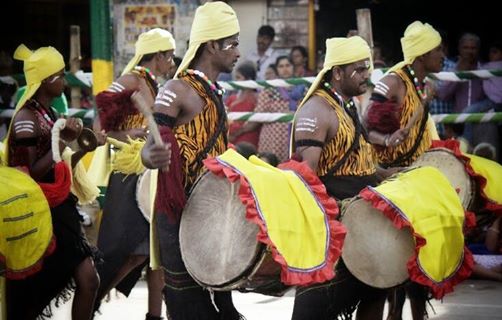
(259, 255)
(473, 185)
(344, 257)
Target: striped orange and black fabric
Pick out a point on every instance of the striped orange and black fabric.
(194, 136)
(138, 120)
(410, 104)
(361, 162)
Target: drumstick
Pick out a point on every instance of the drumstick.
(416, 114)
(145, 110)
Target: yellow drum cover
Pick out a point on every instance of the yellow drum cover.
(25, 224)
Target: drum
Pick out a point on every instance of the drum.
(218, 244)
(143, 194)
(453, 168)
(375, 251)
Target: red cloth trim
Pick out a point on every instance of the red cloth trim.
(454, 146)
(383, 117)
(170, 197)
(114, 108)
(58, 191)
(336, 230)
(22, 274)
(439, 289)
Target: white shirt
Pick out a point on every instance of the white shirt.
(262, 62)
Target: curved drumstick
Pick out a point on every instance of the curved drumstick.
(56, 132)
(141, 104)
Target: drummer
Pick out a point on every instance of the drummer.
(398, 121)
(124, 232)
(328, 135)
(191, 105)
(71, 265)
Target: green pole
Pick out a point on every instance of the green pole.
(101, 45)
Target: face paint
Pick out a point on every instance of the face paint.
(306, 125)
(54, 78)
(24, 126)
(165, 98)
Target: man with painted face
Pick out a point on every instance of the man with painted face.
(397, 119)
(327, 135)
(126, 256)
(399, 125)
(191, 106)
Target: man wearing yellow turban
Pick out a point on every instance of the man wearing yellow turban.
(398, 118)
(327, 135)
(125, 256)
(191, 106)
(68, 258)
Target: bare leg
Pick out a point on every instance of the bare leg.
(397, 297)
(87, 282)
(155, 282)
(484, 273)
(131, 263)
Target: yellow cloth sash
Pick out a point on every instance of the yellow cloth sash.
(425, 198)
(294, 221)
(492, 172)
(25, 224)
(128, 159)
(81, 185)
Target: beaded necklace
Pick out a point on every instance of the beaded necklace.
(346, 104)
(420, 87)
(214, 86)
(146, 70)
(44, 113)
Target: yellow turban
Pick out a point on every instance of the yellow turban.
(38, 66)
(340, 51)
(212, 21)
(152, 41)
(418, 39)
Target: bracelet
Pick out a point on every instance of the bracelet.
(494, 230)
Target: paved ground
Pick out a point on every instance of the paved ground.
(473, 299)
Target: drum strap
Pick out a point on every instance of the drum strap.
(221, 128)
(352, 112)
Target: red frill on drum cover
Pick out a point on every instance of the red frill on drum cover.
(336, 229)
(454, 146)
(439, 289)
(170, 198)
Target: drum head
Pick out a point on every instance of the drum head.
(445, 161)
(375, 251)
(218, 244)
(143, 194)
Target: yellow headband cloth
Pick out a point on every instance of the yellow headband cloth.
(341, 51)
(38, 66)
(419, 38)
(152, 41)
(212, 21)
